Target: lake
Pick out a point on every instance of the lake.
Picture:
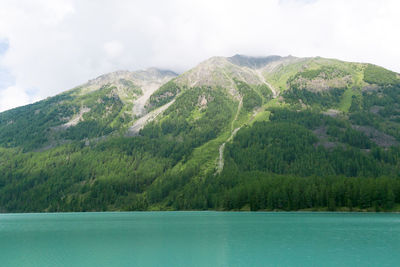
(200, 239)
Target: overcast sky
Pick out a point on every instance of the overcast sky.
(48, 46)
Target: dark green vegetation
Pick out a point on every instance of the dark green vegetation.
(252, 98)
(28, 126)
(111, 174)
(34, 126)
(166, 93)
(297, 155)
(326, 99)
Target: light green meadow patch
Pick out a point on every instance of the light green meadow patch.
(262, 116)
(195, 115)
(347, 97)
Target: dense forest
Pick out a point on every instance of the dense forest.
(276, 165)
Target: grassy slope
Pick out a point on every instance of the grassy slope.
(279, 76)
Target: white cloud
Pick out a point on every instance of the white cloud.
(57, 44)
(113, 49)
(12, 97)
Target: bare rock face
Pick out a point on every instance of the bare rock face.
(222, 72)
(218, 72)
(378, 137)
(202, 102)
(321, 79)
(321, 84)
(331, 112)
(76, 119)
(370, 88)
(131, 87)
(149, 81)
(125, 81)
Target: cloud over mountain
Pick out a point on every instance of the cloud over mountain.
(54, 45)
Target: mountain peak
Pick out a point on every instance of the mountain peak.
(143, 75)
(218, 72)
(161, 72)
(252, 62)
(129, 79)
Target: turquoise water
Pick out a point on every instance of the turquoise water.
(200, 239)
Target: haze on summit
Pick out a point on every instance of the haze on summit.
(47, 47)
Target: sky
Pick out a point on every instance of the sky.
(49, 46)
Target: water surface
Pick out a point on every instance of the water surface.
(200, 239)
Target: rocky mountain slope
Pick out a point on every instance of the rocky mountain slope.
(100, 107)
(232, 133)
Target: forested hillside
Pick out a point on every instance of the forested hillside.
(239, 133)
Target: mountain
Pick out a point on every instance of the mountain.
(95, 109)
(232, 133)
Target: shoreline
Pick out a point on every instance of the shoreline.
(200, 211)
